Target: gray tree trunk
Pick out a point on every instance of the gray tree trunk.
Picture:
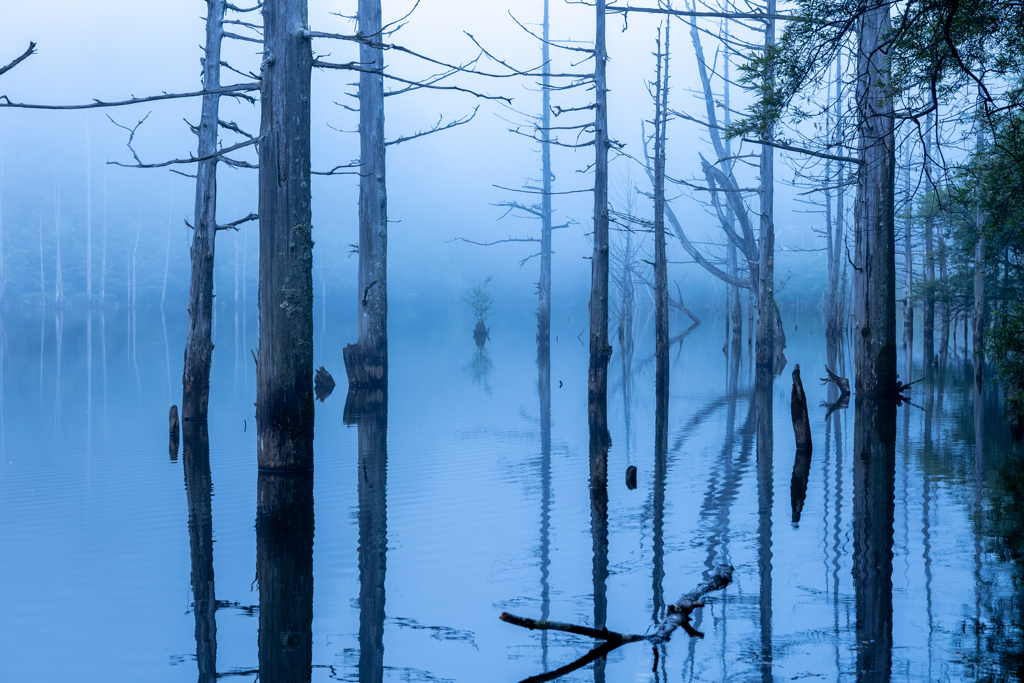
(284, 369)
(875, 275)
(837, 266)
(928, 321)
(944, 309)
(661, 342)
(544, 284)
(367, 361)
(908, 280)
(979, 317)
(199, 343)
(600, 349)
(764, 346)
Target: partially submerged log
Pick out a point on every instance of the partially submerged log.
(173, 428)
(798, 409)
(678, 616)
(323, 384)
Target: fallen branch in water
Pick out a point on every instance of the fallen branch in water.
(678, 617)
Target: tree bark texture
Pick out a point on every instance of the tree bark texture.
(875, 275)
(367, 363)
(199, 343)
(764, 345)
(544, 284)
(284, 370)
(600, 349)
(284, 570)
(874, 479)
(199, 489)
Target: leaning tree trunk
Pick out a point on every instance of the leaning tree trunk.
(199, 344)
(764, 346)
(284, 369)
(660, 263)
(600, 349)
(544, 285)
(874, 281)
(367, 360)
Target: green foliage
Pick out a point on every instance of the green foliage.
(479, 299)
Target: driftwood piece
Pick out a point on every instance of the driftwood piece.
(173, 430)
(323, 384)
(841, 382)
(798, 409)
(678, 617)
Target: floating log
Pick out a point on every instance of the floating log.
(631, 477)
(173, 428)
(323, 384)
(798, 409)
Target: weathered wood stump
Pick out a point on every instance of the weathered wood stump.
(323, 384)
(631, 477)
(173, 428)
(798, 409)
(841, 382)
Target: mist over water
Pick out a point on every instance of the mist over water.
(462, 492)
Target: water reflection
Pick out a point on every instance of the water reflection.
(874, 482)
(763, 400)
(544, 391)
(284, 570)
(600, 442)
(199, 489)
(368, 409)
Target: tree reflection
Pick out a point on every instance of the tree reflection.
(368, 409)
(874, 482)
(763, 400)
(199, 489)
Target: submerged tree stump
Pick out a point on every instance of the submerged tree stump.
(631, 477)
(798, 408)
(173, 428)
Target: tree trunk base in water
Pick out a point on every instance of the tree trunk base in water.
(363, 370)
(323, 384)
(798, 410)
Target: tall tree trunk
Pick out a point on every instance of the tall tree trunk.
(764, 406)
(735, 305)
(875, 276)
(199, 489)
(284, 571)
(199, 343)
(908, 279)
(544, 284)
(600, 349)
(167, 248)
(58, 287)
(660, 264)
(837, 267)
(103, 256)
(88, 218)
(928, 323)
(944, 308)
(367, 361)
(764, 347)
(284, 371)
(979, 317)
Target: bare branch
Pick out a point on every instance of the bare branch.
(437, 128)
(190, 160)
(226, 90)
(801, 150)
(490, 244)
(234, 224)
(24, 55)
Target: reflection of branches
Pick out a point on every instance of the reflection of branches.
(480, 368)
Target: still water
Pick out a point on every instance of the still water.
(469, 495)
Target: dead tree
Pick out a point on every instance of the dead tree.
(979, 317)
(835, 320)
(284, 368)
(875, 258)
(660, 263)
(929, 255)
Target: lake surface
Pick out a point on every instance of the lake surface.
(123, 561)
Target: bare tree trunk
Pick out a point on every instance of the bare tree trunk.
(764, 348)
(979, 317)
(600, 349)
(875, 275)
(735, 305)
(167, 249)
(88, 217)
(58, 288)
(42, 267)
(660, 264)
(944, 308)
(928, 323)
(544, 284)
(199, 343)
(367, 361)
(908, 280)
(284, 371)
(837, 266)
(103, 257)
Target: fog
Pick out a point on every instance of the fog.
(440, 187)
